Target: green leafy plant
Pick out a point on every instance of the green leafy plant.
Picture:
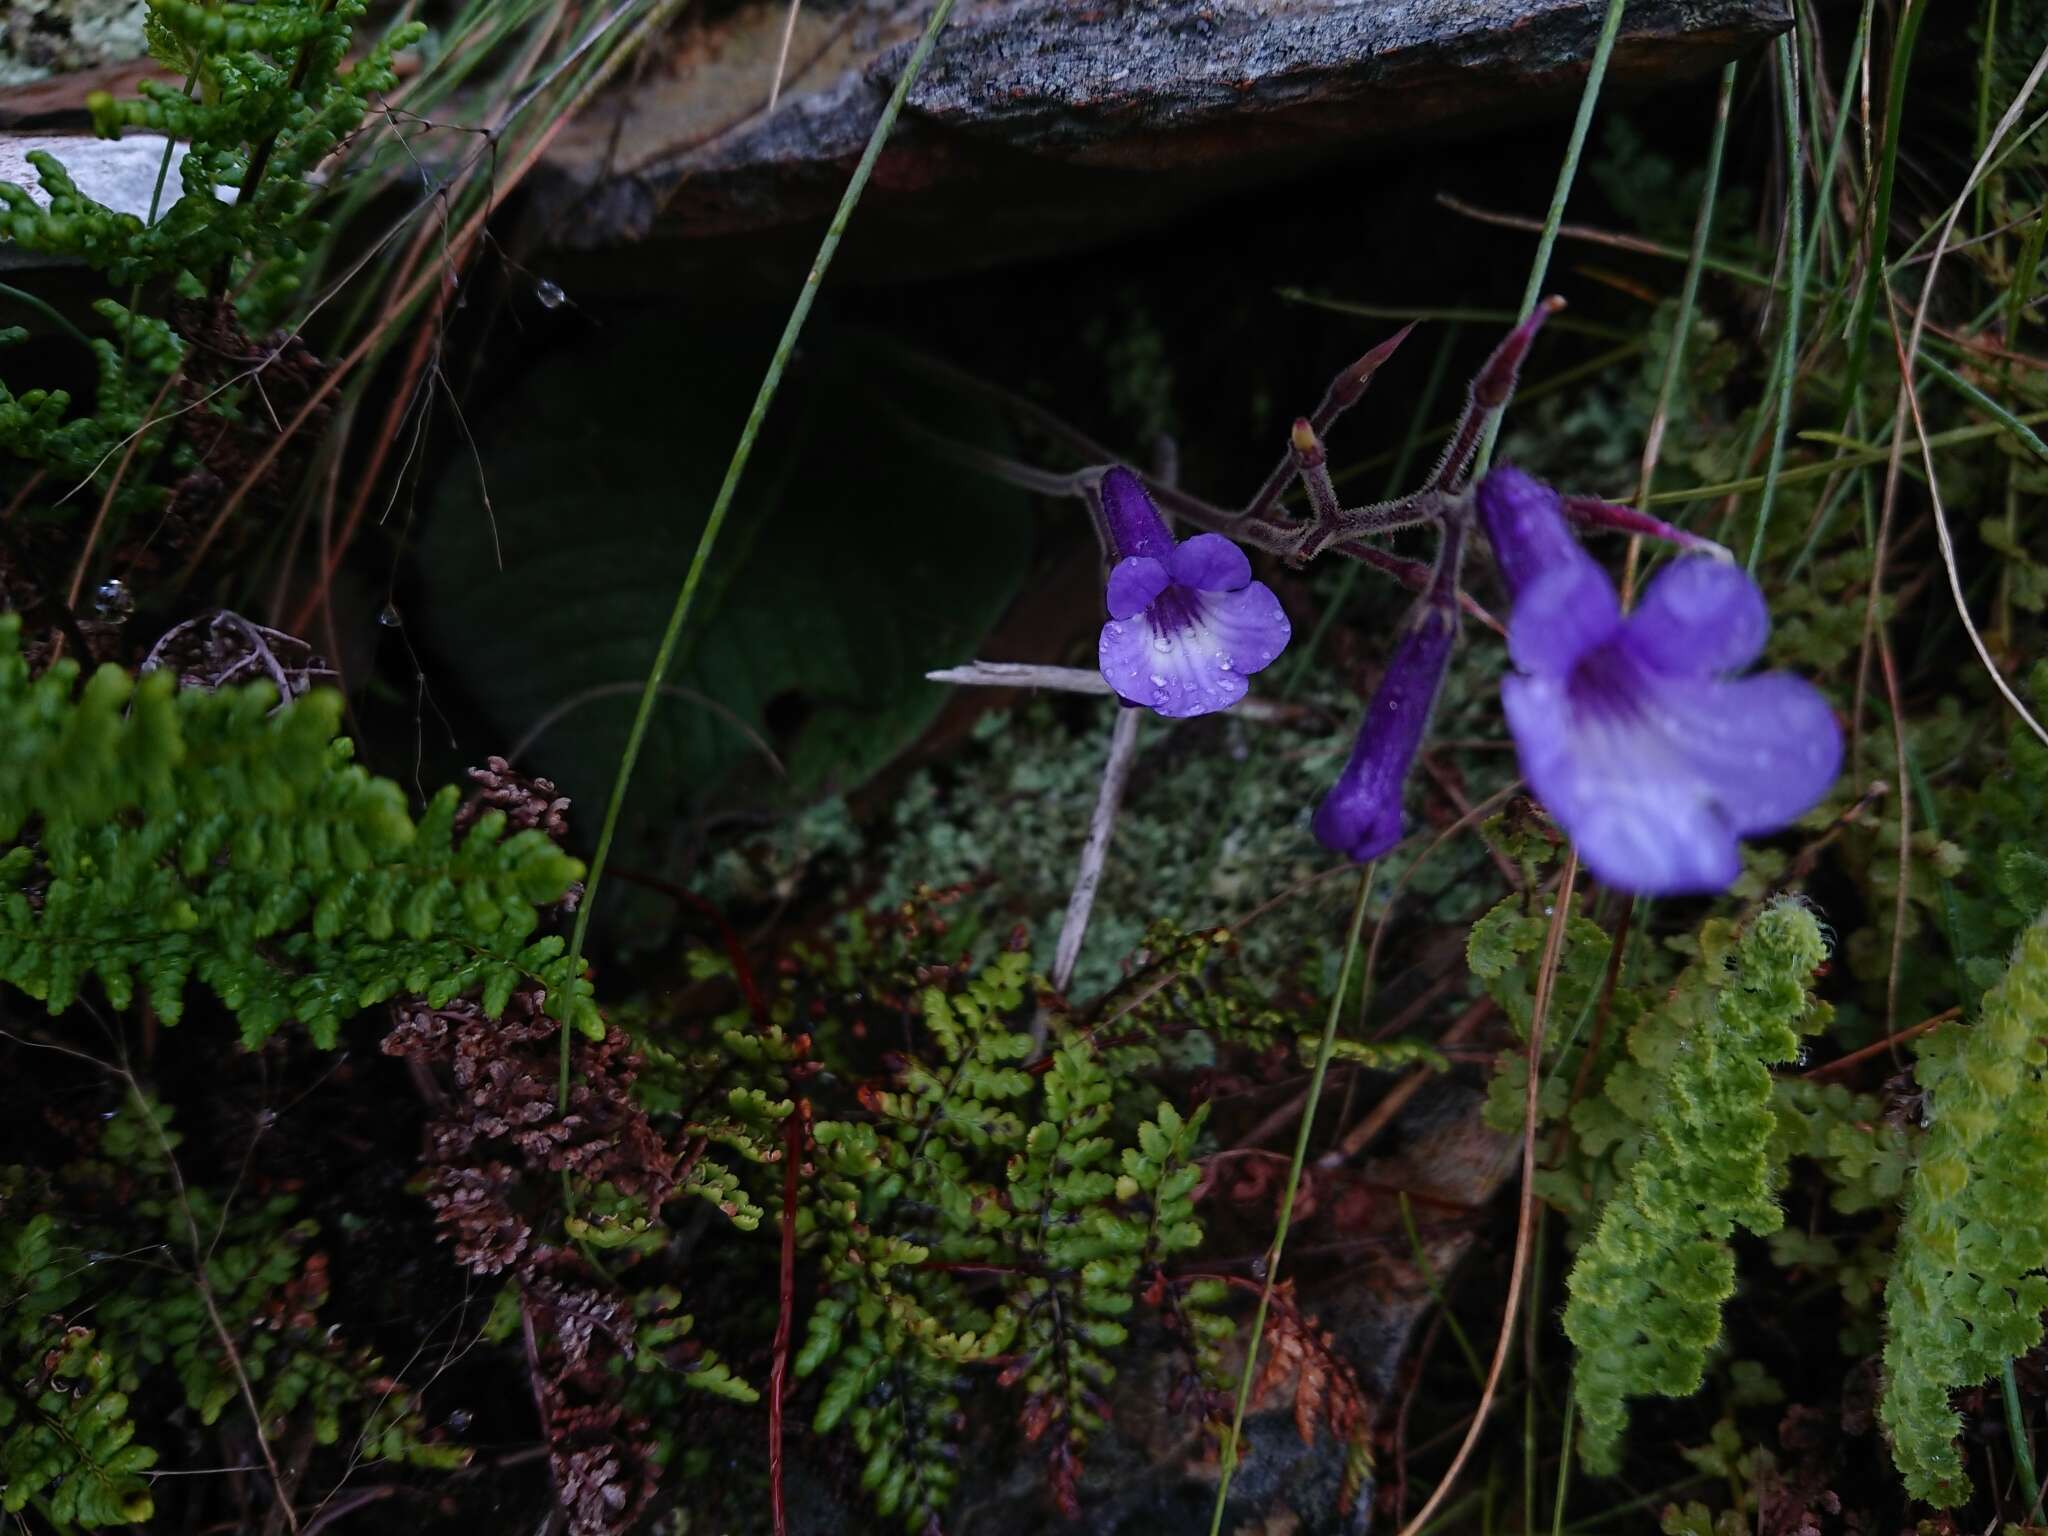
(1648, 1286)
(94, 1327)
(1966, 1292)
(189, 387)
(157, 835)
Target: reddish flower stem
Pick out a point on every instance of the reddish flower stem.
(735, 952)
(778, 1373)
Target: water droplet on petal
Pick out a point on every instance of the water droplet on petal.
(1224, 663)
(1161, 644)
(112, 602)
(549, 293)
(1158, 681)
(389, 616)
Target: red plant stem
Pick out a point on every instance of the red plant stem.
(778, 1373)
(735, 952)
(1889, 1042)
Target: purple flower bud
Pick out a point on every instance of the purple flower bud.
(1629, 729)
(1524, 520)
(1187, 623)
(1361, 815)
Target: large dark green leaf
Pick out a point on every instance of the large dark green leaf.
(854, 560)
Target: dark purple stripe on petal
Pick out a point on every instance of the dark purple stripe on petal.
(1361, 815)
(1135, 526)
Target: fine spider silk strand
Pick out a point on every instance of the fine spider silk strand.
(1545, 242)
(1324, 1050)
(771, 381)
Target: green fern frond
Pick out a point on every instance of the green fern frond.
(181, 835)
(1966, 1292)
(1646, 1290)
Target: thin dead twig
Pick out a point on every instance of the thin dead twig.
(1396, 1098)
(1024, 674)
(1910, 354)
(1116, 774)
(1889, 1043)
(1525, 1220)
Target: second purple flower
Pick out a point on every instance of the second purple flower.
(1635, 730)
(1187, 624)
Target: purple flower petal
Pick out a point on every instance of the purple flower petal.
(1629, 730)
(1133, 583)
(1361, 815)
(1524, 521)
(1631, 807)
(1699, 616)
(1210, 563)
(1766, 748)
(1561, 615)
(1189, 653)
(1655, 776)
(1135, 526)
(1248, 627)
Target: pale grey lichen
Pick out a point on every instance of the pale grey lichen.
(40, 38)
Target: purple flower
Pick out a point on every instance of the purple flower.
(1186, 621)
(1361, 815)
(1630, 729)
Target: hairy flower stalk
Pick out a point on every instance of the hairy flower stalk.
(1631, 729)
(1634, 731)
(1187, 623)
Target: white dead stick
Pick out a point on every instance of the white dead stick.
(782, 54)
(1022, 674)
(1116, 773)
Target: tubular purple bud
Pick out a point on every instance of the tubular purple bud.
(1134, 524)
(1361, 816)
(1524, 521)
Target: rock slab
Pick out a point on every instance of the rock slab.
(1042, 124)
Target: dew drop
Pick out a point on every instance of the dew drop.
(1158, 681)
(1161, 644)
(1224, 663)
(549, 293)
(389, 616)
(459, 1419)
(112, 602)
(1258, 1267)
